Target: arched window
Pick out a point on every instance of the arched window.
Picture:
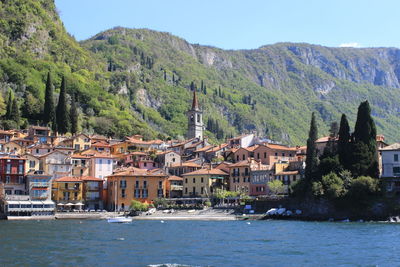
(198, 118)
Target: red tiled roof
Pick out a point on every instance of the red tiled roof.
(68, 179)
(175, 178)
(206, 172)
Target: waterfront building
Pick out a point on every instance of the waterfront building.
(390, 174)
(204, 182)
(135, 184)
(240, 173)
(174, 187)
(12, 175)
(39, 185)
(80, 165)
(92, 192)
(68, 192)
(269, 154)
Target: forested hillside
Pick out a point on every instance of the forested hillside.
(140, 81)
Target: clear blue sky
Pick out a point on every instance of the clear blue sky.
(240, 24)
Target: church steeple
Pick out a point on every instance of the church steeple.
(195, 120)
(195, 104)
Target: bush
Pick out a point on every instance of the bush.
(160, 202)
(299, 188)
(276, 187)
(138, 206)
(317, 189)
(333, 186)
(362, 188)
(207, 203)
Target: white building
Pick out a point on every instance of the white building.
(391, 160)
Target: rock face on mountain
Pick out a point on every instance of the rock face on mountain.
(139, 81)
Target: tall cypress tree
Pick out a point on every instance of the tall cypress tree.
(344, 148)
(62, 111)
(74, 117)
(311, 155)
(364, 147)
(8, 115)
(49, 110)
(15, 113)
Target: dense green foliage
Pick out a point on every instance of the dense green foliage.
(73, 116)
(138, 206)
(132, 81)
(344, 152)
(276, 187)
(311, 155)
(49, 114)
(62, 115)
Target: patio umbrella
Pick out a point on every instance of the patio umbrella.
(69, 204)
(79, 204)
(60, 204)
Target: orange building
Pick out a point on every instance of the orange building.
(135, 184)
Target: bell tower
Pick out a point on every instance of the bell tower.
(195, 120)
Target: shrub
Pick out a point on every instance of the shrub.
(276, 187)
(207, 203)
(138, 206)
(362, 188)
(317, 189)
(333, 186)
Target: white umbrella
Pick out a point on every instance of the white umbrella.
(79, 204)
(69, 204)
(60, 204)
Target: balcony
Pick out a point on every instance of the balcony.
(39, 184)
(177, 187)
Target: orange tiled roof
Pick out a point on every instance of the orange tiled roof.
(175, 178)
(186, 164)
(90, 178)
(68, 179)
(206, 172)
(280, 147)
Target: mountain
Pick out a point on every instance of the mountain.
(271, 90)
(139, 81)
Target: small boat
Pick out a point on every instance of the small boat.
(119, 219)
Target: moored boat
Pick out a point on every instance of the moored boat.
(119, 219)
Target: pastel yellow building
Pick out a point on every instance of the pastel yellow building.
(68, 190)
(204, 182)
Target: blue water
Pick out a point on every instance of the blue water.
(198, 243)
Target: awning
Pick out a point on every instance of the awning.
(48, 202)
(217, 177)
(79, 204)
(8, 202)
(27, 202)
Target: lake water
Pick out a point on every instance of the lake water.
(198, 243)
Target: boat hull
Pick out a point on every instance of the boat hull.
(119, 220)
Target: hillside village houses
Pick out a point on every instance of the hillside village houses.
(41, 172)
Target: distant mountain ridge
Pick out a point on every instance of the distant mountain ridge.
(139, 81)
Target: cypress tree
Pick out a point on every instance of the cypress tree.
(15, 114)
(205, 89)
(344, 148)
(74, 117)
(49, 110)
(8, 115)
(311, 154)
(62, 112)
(364, 148)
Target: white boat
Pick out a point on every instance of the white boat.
(119, 219)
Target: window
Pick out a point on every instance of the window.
(8, 170)
(186, 180)
(77, 147)
(186, 191)
(37, 151)
(8, 179)
(145, 164)
(20, 179)
(258, 155)
(137, 184)
(276, 154)
(137, 193)
(86, 147)
(194, 180)
(32, 164)
(144, 184)
(283, 154)
(244, 157)
(202, 179)
(122, 183)
(396, 157)
(159, 184)
(202, 190)
(123, 193)
(76, 195)
(237, 158)
(396, 171)
(21, 168)
(265, 155)
(194, 190)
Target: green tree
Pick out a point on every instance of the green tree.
(276, 187)
(15, 113)
(344, 149)
(362, 190)
(333, 186)
(9, 104)
(364, 148)
(138, 206)
(74, 116)
(311, 154)
(49, 110)
(62, 111)
(31, 108)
